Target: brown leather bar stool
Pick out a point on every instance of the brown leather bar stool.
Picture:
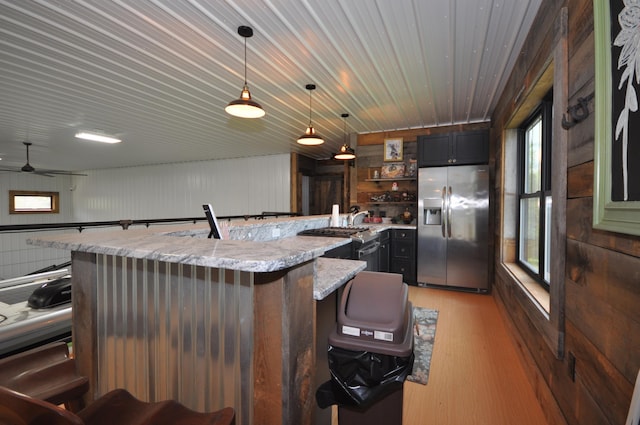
(47, 373)
(115, 407)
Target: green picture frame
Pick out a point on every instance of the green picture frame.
(609, 215)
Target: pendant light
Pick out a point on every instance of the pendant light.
(346, 152)
(310, 137)
(245, 107)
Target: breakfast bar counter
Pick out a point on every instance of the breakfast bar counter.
(169, 314)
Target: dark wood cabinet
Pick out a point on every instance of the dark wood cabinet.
(384, 251)
(403, 254)
(458, 148)
(434, 150)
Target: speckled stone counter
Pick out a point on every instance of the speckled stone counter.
(332, 273)
(181, 245)
(276, 247)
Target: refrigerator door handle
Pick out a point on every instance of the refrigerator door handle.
(449, 212)
(444, 209)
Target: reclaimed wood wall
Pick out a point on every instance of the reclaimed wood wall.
(591, 382)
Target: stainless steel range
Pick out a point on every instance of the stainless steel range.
(364, 244)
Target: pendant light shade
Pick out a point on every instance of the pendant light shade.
(245, 107)
(310, 137)
(346, 152)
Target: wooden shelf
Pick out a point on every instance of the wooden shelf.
(391, 180)
(391, 203)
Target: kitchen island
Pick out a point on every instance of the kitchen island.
(167, 313)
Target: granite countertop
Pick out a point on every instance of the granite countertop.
(162, 245)
(379, 227)
(257, 246)
(332, 273)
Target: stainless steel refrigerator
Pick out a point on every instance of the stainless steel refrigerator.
(453, 226)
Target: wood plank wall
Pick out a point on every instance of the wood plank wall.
(602, 274)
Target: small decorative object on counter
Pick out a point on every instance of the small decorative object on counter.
(376, 174)
(392, 171)
(407, 217)
(379, 197)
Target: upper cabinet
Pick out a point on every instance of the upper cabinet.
(458, 148)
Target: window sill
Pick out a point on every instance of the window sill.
(536, 293)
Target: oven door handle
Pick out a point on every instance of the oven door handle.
(369, 250)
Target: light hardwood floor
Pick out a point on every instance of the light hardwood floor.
(476, 376)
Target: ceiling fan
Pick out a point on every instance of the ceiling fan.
(28, 168)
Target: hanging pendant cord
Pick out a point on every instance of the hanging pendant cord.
(310, 107)
(345, 129)
(245, 61)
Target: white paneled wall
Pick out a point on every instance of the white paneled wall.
(234, 187)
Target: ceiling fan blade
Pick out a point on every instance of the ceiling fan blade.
(60, 172)
(43, 173)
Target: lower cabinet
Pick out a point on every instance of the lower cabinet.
(403, 254)
(384, 251)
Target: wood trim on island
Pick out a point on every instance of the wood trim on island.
(284, 346)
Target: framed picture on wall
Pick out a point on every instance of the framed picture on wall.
(616, 197)
(393, 149)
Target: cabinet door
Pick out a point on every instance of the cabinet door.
(433, 150)
(406, 268)
(404, 249)
(403, 254)
(384, 251)
(470, 147)
(408, 235)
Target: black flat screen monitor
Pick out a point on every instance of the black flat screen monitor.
(213, 222)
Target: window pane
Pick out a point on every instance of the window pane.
(547, 239)
(33, 203)
(533, 157)
(529, 233)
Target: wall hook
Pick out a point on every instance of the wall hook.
(578, 112)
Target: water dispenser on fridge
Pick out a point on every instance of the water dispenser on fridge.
(432, 211)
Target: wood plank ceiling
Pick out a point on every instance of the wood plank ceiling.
(158, 73)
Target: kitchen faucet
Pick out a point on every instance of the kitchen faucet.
(354, 215)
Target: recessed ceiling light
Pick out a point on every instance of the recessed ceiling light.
(96, 137)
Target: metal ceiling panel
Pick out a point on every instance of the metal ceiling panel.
(158, 73)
